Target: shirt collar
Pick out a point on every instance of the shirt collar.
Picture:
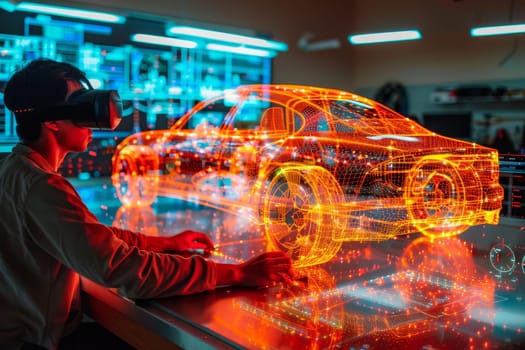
(35, 157)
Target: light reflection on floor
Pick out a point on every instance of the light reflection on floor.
(403, 293)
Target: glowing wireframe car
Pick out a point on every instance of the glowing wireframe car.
(314, 167)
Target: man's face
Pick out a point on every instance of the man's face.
(73, 138)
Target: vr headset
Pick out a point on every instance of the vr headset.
(97, 109)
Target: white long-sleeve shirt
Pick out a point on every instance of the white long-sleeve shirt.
(48, 237)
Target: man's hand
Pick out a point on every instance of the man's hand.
(266, 269)
(185, 243)
(191, 241)
(261, 271)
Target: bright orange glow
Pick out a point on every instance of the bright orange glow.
(314, 167)
(444, 270)
(300, 315)
(436, 288)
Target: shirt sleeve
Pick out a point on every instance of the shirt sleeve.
(59, 223)
(132, 238)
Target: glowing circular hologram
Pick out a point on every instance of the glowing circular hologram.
(135, 175)
(438, 198)
(502, 258)
(299, 214)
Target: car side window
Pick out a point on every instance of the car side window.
(273, 119)
(298, 122)
(322, 124)
(314, 120)
(342, 128)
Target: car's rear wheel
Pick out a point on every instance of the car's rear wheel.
(299, 211)
(135, 175)
(436, 198)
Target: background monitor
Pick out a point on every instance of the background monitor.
(456, 125)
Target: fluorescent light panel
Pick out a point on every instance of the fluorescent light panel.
(498, 30)
(163, 40)
(70, 12)
(384, 37)
(227, 37)
(240, 50)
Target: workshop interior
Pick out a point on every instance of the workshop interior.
(379, 144)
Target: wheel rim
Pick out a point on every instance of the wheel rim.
(437, 199)
(290, 216)
(296, 214)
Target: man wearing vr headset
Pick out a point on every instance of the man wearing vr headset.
(50, 238)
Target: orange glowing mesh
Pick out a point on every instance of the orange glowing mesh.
(314, 167)
(435, 288)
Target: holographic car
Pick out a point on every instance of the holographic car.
(313, 167)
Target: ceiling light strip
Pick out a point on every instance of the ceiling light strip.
(163, 40)
(240, 50)
(70, 12)
(227, 37)
(498, 30)
(384, 37)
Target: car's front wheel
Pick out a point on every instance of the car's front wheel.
(135, 175)
(300, 213)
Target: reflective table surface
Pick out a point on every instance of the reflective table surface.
(405, 293)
